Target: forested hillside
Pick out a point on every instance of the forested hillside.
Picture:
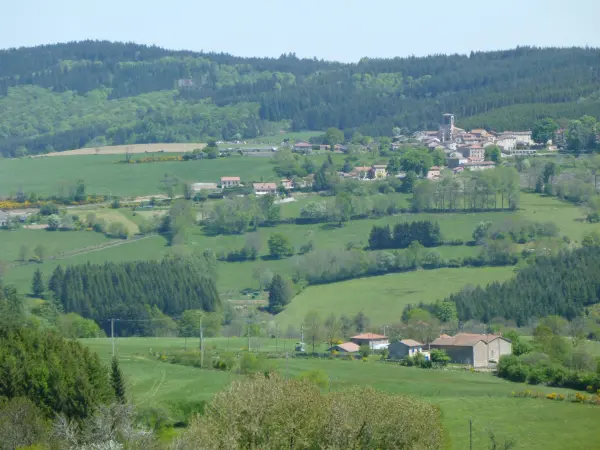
(561, 285)
(91, 93)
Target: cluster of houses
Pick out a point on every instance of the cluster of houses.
(233, 182)
(476, 350)
(466, 150)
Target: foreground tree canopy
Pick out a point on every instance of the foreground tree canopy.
(93, 93)
(269, 412)
(57, 375)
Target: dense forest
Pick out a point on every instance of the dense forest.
(134, 293)
(562, 285)
(93, 93)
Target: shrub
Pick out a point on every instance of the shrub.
(518, 372)
(273, 413)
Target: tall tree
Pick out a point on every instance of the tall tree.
(117, 381)
(280, 293)
(37, 284)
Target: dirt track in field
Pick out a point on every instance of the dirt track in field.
(122, 149)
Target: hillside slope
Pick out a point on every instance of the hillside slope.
(89, 93)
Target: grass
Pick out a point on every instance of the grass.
(54, 242)
(383, 298)
(47, 176)
(153, 247)
(462, 395)
(363, 293)
(103, 176)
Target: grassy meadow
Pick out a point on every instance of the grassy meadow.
(384, 297)
(461, 395)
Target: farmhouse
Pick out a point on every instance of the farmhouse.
(302, 146)
(346, 347)
(374, 341)
(230, 181)
(3, 219)
(406, 347)
(477, 350)
(264, 188)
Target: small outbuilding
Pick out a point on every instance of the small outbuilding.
(346, 347)
(405, 347)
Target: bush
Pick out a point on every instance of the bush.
(273, 413)
(518, 372)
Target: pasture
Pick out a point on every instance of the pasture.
(461, 395)
(384, 297)
(53, 242)
(104, 176)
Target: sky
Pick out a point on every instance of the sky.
(342, 30)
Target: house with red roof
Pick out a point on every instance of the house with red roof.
(230, 181)
(302, 146)
(373, 340)
(346, 347)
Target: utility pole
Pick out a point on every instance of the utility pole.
(201, 345)
(302, 333)
(470, 434)
(276, 341)
(248, 335)
(112, 335)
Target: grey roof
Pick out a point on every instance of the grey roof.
(411, 343)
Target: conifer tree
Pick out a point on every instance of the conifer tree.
(37, 284)
(117, 382)
(280, 294)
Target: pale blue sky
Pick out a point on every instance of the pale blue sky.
(342, 30)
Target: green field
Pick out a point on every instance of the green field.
(533, 423)
(54, 242)
(383, 298)
(384, 295)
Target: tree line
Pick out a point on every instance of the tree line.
(564, 285)
(138, 293)
(425, 232)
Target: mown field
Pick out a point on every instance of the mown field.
(102, 176)
(383, 298)
(532, 423)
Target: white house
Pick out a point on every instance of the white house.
(406, 347)
(230, 181)
(3, 219)
(373, 340)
